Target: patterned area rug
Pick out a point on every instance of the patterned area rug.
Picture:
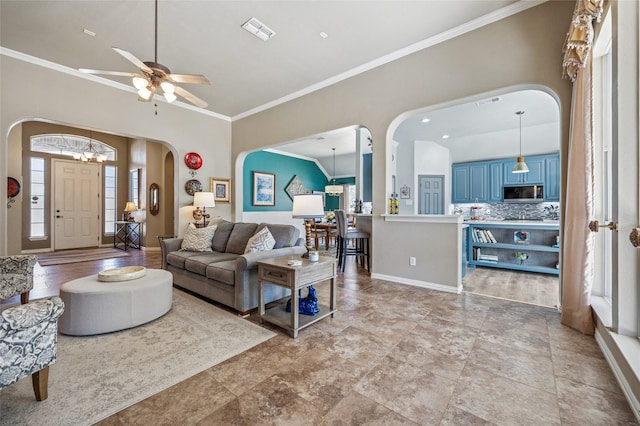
(97, 376)
(79, 255)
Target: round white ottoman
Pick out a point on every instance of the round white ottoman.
(95, 307)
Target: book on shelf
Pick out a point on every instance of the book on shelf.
(488, 258)
(482, 236)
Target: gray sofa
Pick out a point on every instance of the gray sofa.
(227, 275)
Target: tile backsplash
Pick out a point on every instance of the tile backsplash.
(501, 211)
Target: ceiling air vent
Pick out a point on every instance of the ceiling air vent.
(258, 29)
(488, 101)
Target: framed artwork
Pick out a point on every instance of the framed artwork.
(324, 197)
(405, 192)
(264, 185)
(295, 187)
(221, 189)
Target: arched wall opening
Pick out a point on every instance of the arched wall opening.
(133, 153)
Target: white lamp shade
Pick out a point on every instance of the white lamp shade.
(307, 206)
(204, 199)
(333, 189)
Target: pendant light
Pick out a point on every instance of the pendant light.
(520, 166)
(333, 189)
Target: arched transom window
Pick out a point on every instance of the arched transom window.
(78, 147)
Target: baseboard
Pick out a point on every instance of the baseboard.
(620, 377)
(417, 283)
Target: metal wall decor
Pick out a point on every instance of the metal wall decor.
(13, 189)
(192, 186)
(193, 161)
(295, 187)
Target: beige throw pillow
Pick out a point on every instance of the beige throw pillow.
(261, 241)
(198, 239)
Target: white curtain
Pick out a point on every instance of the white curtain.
(577, 249)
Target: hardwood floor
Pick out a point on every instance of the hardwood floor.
(48, 279)
(393, 354)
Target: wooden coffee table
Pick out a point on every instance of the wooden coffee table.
(276, 271)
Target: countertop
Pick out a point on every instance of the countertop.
(524, 222)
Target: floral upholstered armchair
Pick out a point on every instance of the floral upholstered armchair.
(28, 332)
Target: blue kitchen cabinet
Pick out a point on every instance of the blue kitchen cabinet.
(552, 178)
(495, 181)
(469, 182)
(536, 166)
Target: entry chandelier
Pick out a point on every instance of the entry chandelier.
(520, 166)
(90, 153)
(333, 189)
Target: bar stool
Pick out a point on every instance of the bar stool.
(360, 248)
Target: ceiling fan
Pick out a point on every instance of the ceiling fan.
(154, 75)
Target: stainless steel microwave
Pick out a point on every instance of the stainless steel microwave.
(523, 194)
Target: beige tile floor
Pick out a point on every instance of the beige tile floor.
(398, 355)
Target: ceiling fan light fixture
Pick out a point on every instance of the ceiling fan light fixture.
(167, 87)
(140, 82)
(145, 93)
(170, 97)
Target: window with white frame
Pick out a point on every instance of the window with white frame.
(37, 199)
(110, 198)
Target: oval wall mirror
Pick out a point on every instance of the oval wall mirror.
(154, 199)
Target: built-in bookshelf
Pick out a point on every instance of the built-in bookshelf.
(525, 246)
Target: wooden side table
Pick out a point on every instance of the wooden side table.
(276, 272)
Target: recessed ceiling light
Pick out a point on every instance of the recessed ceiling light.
(258, 29)
(445, 136)
(324, 35)
(426, 120)
(88, 32)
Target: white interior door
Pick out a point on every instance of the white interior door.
(76, 207)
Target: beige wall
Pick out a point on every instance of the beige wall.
(521, 51)
(29, 91)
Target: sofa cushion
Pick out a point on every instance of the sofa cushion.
(198, 239)
(224, 272)
(198, 264)
(240, 236)
(177, 258)
(261, 241)
(220, 238)
(285, 235)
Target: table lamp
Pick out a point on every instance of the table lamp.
(128, 208)
(203, 200)
(307, 206)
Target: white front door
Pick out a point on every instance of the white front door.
(76, 204)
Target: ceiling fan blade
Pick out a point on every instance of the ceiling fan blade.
(124, 74)
(190, 97)
(137, 62)
(189, 78)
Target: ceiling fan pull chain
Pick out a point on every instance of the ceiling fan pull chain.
(156, 105)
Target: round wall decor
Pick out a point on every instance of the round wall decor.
(193, 161)
(13, 187)
(192, 186)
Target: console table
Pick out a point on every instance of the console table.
(127, 234)
(276, 271)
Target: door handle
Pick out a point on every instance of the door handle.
(634, 237)
(58, 217)
(594, 226)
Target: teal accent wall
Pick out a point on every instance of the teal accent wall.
(285, 168)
